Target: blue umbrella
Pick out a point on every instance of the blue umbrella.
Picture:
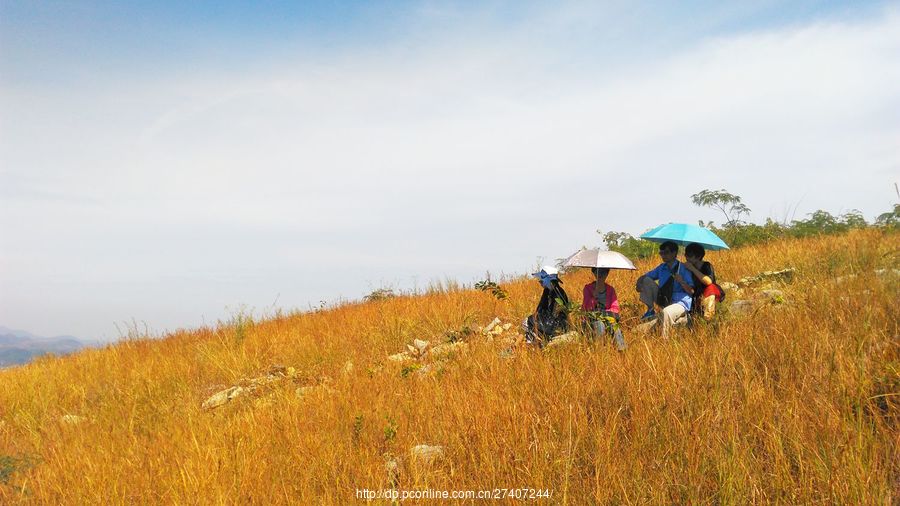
(684, 234)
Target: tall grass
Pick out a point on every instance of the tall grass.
(798, 404)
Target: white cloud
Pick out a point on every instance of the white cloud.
(449, 158)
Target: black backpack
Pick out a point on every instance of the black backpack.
(552, 317)
(664, 296)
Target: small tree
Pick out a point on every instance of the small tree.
(729, 204)
(628, 245)
(854, 219)
(889, 219)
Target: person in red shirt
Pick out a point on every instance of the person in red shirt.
(600, 299)
(706, 291)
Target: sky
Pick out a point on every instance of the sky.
(167, 165)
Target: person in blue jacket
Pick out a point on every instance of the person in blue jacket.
(670, 286)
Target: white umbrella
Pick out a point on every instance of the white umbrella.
(599, 258)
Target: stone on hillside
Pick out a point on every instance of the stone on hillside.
(729, 286)
(445, 350)
(886, 274)
(646, 327)
(784, 276)
(731, 290)
(253, 383)
(742, 307)
(507, 326)
(72, 419)
(348, 368)
(275, 374)
(400, 357)
(426, 454)
(563, 340)
(418, 348)
(490, 326)
(277, 370)
(771, 295)
(222, 397)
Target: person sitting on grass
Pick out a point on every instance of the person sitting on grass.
(601, 300)
(551, 316)
(707, 292)
(673, 293)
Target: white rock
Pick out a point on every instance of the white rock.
(222, 397)
(886, 274)
(771, 295)
(418, 348)
(742, 307)
(445, 350)
(262, 380)
(400, 357)
(490, 326)
(426, 454)
(563, 339)
(420, 345)
(784, 275)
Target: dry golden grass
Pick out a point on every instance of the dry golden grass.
(799, 404)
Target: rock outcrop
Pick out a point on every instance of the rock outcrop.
(426, 454)
(247, 386)
(783, 276)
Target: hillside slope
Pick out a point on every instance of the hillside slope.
(798, 403)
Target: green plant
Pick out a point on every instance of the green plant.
(10, 464)
(409, 369)
(380, 294)
(357, 428)
(580, 315)
(489, 286)
(461, 334)
(628, 245)
(890, 219)
(242, 321)
(390, 430)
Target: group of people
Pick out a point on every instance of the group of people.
(673, 291)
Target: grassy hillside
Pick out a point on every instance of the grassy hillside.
(799, 403)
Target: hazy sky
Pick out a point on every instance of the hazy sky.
(169, 162)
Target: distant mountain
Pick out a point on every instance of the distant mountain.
(17, 333)
(20, 347)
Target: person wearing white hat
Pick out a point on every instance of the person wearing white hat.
(550, 318)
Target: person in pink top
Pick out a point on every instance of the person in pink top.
(601, 300)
